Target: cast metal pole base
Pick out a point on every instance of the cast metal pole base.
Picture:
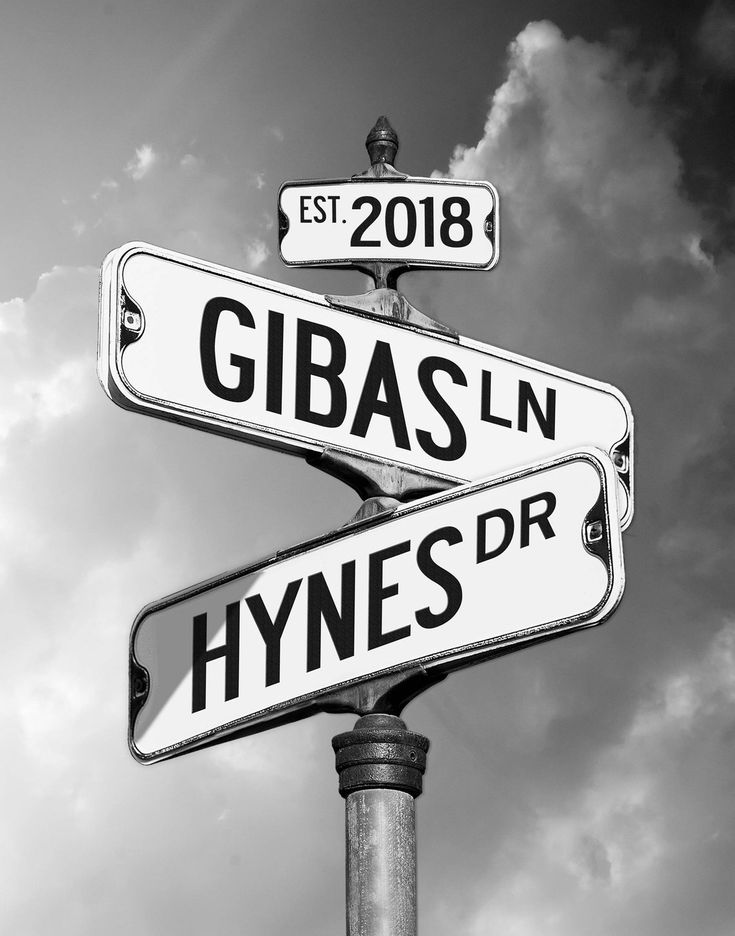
(380, 765)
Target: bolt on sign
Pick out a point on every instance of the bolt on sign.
(235, 354)
(439, 583)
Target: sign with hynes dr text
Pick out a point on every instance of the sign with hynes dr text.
(439, 583)
(235, 354)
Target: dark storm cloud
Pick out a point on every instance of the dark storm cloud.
(603, 271)
(716, 37)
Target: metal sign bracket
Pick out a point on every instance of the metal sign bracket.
(390, 304)
(382, 695)
(376, 479)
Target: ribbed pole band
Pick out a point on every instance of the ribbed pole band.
(380, 753)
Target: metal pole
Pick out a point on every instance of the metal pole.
(380, 765)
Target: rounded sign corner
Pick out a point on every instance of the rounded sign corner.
(137, 755)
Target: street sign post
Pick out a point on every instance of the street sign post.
(526, 546)
(235, 354)
(437, 584)
(417, 222)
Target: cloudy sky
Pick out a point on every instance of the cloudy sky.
(584, 787)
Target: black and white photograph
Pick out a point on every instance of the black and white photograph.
(367, 468)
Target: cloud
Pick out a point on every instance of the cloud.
(573, 135)
(256, 253)
(193, 208)
(105, 186)
(99, 512)
(700, 540)
(594, 225)
(142, 163)
(716, 37)
(11, 315)
(190, 162)
(41, 377)
(601, 268)
(609, 767)
(643, 833)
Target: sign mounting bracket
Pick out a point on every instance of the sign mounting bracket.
(375, 479)
(382, 695)
(390, 304)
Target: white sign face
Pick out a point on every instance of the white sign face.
(439, 583)
(235, 354)
(420, 222)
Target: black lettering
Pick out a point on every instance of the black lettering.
(340, 624)
(457, 444)
(274, 380)
(506, 517)
(230, 650)
(432, 570)
(302, 217)
(462, 219)
(542, 518)
(319, 205)
(271, 631)
(333, 199)
(378, 592)
(357, 240)
(381, 375)
(210, 320)
(486, 405)
(546, 420)
(428, 204)
(306, 369)
(390, 221)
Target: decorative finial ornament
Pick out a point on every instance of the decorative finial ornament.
(382, 142)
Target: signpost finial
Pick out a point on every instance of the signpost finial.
(382, 142)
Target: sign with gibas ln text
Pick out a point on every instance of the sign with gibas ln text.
(439, 583)
(235, 354)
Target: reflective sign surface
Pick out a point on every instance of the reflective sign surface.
(440, 582)
(235, 354)
(421, 222)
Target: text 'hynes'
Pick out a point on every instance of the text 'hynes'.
(494, 532)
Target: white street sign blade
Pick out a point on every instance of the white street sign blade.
(439, 583)
(418, 222)
(235, 354)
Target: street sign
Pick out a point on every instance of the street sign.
(413, 221)
(439, 583)
(235, 354)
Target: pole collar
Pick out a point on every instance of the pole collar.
(380, 753)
